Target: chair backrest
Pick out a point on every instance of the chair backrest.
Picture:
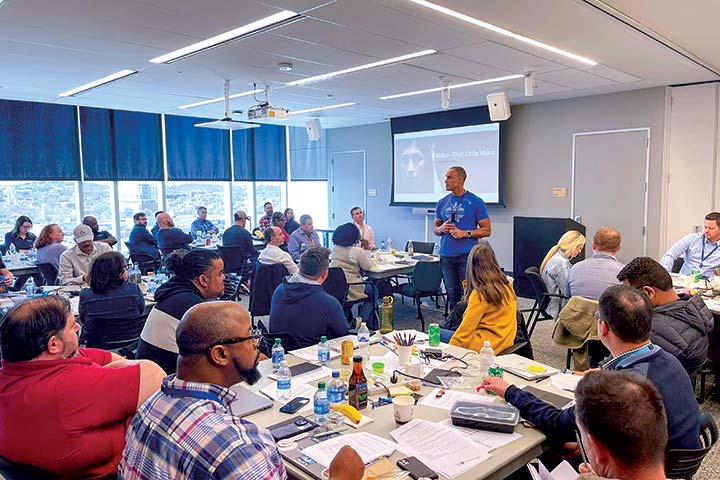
(145, 262)
(677, 264)
(336, 284)
(19, 471)
(233, 257)
(538, 287)
(684, 463)
(288, 340)
(232, 287)
(112, 323)
(49, 271)
(267, 278)
(427, 277)
(421, 247)
(522, 345)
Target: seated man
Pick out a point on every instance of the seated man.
(170, 238)
(590, 277)
(302, 294)
(99, 236)
(202, 224)
(266, 220)
(700, 250)
(273, 254)
(629, 443)
(303, 238)
(680, 323)
(156, 227)
(65, 409)
(140, 240)
(238, 236)
(367, 235)
(75, 262)
(624, 328)
(187, 429)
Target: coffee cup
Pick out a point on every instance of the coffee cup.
(403, 409)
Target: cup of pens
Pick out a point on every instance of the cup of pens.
(405, 342)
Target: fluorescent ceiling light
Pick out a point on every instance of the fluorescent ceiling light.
(380, 63)
(220, 99)
(450, 87)
(329, 107)
(489, 26)
(234, 34)
(98, 82)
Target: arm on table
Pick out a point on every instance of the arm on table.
(151, 375)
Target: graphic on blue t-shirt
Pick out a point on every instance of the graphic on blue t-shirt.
(464, 212)
(455, 212)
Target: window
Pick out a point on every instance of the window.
(134, 197)
(269, 192)
(242, 200)
(43, 202)
(184, 198)
(310, 198)
(99, 202)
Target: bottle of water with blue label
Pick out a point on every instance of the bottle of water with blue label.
(336, 396)
(284, 382)
(277, 354)
(321, 404)
(323, 351)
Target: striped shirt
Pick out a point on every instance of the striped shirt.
(699, 252)
(187, 431)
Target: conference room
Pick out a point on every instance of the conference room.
(565, 115)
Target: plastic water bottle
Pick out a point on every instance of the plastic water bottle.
(321, 405)
(277, 354)
(336, 396)
(323, 351)
(30, 287)
(382, 246)
(363, 338)
(12, 249)
(389, 243)
(487, 357)
(284, 382)
(411, 249)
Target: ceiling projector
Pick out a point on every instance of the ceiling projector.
(260, 112)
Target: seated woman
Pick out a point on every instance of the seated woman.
(198, 277)
(278, 220)
(348, 255)
(291, 224)
(108, 281)
(491, 305)
(49, 245)
(23, 240)
(555, 268)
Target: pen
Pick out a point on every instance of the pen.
(329, 432)
(582, 448)
(543, 377)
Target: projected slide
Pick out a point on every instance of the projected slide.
(422, 158)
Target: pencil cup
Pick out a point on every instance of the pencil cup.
(405, 353)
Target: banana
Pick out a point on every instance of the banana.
(349, 411)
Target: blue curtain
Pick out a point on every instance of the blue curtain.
(270, 153)
(308, 159)
(201, 154)
(243, 158)
(38, 141)
(97, 143)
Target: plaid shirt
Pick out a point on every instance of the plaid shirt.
(200, 226)
(265, 222)
(187, 431)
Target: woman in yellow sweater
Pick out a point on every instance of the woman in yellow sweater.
(491, 304)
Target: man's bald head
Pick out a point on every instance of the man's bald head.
(209, 322)
(164, 220)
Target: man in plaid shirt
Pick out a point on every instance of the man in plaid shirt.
(187, 430)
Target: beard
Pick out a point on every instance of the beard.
(250, 375)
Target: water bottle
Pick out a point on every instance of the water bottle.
(284, 382)
(321, 406)
(13, 250)
(389, 243)
(487, 358)
(30, 286)
(411, 249)
(382, 246)
(363, 338)
(277, 354)
(336, 396)
(323, 351)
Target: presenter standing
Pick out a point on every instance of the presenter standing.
(461, 218)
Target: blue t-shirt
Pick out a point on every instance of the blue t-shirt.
(466, 210)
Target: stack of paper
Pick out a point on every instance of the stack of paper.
(367, 445)
(310, 353)
(486, 438)
(298, 389)
(564, 471)
(518, 365)
(307, 377)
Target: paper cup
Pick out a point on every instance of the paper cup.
(413, 368)
(405, 353)
(403, 409)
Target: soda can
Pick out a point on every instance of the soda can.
(495, 371)
(434, 334)
(346, 352)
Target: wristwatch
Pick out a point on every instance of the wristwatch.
(469, 234)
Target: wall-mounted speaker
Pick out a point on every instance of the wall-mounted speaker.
(314, 129)
(499, 106)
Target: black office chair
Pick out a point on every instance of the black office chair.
(336, 284)
(522, 345)
(424, 282)
(232, 287)
(267, 278)
(421, 247)
(684, 463)
(233, 258)
(677, 264)
(49, 272)
(112, 323)
(288, 340)
(538, 312)
(20, 471)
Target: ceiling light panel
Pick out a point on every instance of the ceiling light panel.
(235, 34)
(318, 109)
(98, 82)
(452, 87)
(220, 99)
(501, 31)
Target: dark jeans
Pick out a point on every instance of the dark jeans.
(367, 308)
(453, 272)
(167, 360)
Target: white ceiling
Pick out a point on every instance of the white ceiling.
(50, 46)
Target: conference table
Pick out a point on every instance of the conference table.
(503, 461)
(22, 267)
(386, 264)
(710, 293)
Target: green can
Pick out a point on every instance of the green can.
(495, 371)
(434, 334)
(697, 275)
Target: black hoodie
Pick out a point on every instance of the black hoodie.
(176, 296)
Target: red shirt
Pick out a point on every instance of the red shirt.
(67, 416)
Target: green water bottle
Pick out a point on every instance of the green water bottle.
(386, 315)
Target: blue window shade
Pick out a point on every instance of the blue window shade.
(38, 141)
(119, 145)
(196, 153)
(308, 159)
(270, 153)
(243, 158)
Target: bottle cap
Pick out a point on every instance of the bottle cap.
(336, 374)
(323, 338)
(277, 341)
(283, 363)
(357, 359)
(321, 385)
(486, 343)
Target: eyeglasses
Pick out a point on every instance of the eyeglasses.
(583, 452)
(596, 315)
(25, 225)
(255, 336)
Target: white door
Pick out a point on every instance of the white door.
(348, 185)
(609, 188)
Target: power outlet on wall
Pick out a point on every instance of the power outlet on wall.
(559, 192)
(372, 192)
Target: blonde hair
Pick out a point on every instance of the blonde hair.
(486, 278)
(569, 242)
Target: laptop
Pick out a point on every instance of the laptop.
(248, 402)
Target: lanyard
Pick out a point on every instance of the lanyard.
(702, 255)
(175, 392)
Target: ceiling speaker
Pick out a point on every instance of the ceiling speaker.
(314, 129)
(499, 106)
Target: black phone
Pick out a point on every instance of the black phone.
(416, 468)
(301, 368)
(294, 405)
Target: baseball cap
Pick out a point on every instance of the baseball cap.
(83, 233)
(240, 214)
